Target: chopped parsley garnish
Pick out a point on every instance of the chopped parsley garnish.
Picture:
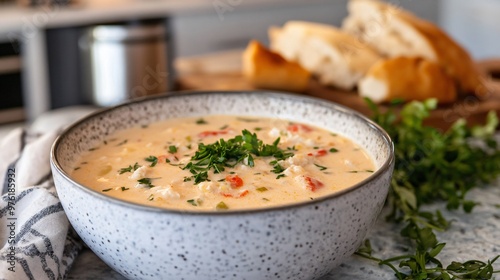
(130, 168)
(172, 149)
(151, 197)
(280, 176)
(261, 189)
(125, 189)
(247, 120)
(76, 168)
(316, 147)
(200, 177)
(321, 168)
(224, 127)
(122, 143)
(107, 190)
(360, 171)
(277, 168)
(221, 206)
(152, 159)
(228, 153)
(201, 121)
(189, 147)
(187, 179)
(333, 150)
(147, 182)
(93, 149)
(258, 129)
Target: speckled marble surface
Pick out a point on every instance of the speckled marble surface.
(471, 236)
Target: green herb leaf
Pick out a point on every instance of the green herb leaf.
(172, 149)
(130, 168)
(201, 121)
(152, 159)
(432, 166)
(107, 190)
(147, 182)
(122, 143)
(321, 168)
(125, 189)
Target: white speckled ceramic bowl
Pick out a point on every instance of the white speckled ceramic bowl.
(299, 241)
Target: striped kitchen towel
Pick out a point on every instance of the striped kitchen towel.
(37, 241)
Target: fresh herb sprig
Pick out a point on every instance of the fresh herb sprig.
(433, 166)
(130, 168)
(152, 159)
(228, 153)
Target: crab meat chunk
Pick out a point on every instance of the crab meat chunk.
(309, 183)
(294, 170)
(139, 173)
(167, 192)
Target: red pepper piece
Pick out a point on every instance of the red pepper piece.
(297, 127)
(234, 181)
(242, 194)
(211, 133)
(312, 184)
(319, 153)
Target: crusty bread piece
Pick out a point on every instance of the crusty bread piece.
(265, 69)
(407, 78)
(335, 57)
(395, 32)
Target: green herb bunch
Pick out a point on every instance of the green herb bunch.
(434, 166)
(228, 153)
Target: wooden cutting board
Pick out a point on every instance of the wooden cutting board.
(472, 108)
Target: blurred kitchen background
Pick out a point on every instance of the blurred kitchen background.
(59, 53)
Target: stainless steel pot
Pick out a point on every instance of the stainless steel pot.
(127, 60)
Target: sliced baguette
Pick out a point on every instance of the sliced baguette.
(265, 69)
(395, 32)
(407, 78)
(335, 57)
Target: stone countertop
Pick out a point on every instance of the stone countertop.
(471, 236)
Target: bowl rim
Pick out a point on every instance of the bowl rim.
(380, 171)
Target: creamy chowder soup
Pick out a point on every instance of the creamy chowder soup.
(222, 162)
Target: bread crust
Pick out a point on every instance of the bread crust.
(408, 78)
(334, 56)
(266, 69)
(434, 44)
